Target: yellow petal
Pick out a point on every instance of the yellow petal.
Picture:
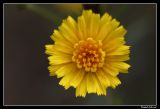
(117, 58)
(110, 70)
(87, 16)
(104, 27)
(107, 26)
(58, 49)
(114, 24)
(102, 78)
(52, 69)
(122, 66)
(94, 25)
(71, 27)
(113, 44)
(100, 88)
(81, 90)
(91, 83)
(68, 33)
(61, 47)
(105, 19)
(78, 78)
(118, 32)
(65, 81)
(103, 31)
(122, 50)
(82, 30)
(58, 37)
(85, 23)
(88, 24)
(114, 81)
(65, 69)
(59, 59)
(72, 24)
(49, 49)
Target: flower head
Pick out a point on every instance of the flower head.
(89, 53)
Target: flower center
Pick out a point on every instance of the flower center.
(89, 55)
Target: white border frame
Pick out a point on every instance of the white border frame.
(142, 106)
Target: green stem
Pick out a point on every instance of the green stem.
(41, 11)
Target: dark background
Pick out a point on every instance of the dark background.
(26, 77)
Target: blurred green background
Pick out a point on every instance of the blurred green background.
(27, 28)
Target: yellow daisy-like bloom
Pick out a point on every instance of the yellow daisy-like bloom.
(88, 53)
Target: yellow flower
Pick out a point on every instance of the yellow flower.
(88, 53)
